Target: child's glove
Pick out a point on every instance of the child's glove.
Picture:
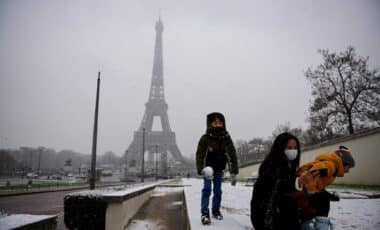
(233, 179)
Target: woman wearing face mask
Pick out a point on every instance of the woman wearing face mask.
(272, 206)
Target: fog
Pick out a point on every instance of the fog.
(245, 59)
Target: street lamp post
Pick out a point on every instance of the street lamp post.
(30, 162)
(143, 153)
(39, 161)
(126, 165)
(156, 162)
(94, 138)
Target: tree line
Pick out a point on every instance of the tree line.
(18, 162)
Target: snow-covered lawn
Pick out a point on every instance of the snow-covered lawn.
(347, 214)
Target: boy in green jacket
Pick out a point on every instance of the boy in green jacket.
(215, 150)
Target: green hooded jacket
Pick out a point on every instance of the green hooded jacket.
(215, 148)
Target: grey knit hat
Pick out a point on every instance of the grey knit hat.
(344, 153)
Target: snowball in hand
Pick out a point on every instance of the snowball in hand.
(208, 172)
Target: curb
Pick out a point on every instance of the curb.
(53, 190)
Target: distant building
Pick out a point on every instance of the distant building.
(83, 171)
(68, 167)
(107, 169)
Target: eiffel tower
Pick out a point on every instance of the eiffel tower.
(162, 141)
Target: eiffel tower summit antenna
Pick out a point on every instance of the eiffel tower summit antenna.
(164, 140)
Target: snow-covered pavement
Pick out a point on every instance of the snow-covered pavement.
(347, 214)
(356, 214)
(21, 220)
(235, 206)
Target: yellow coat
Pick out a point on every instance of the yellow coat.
(330, 161)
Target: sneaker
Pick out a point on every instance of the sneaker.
(217, 215)
(205, 218)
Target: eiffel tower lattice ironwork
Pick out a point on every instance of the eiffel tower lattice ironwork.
(165, 140)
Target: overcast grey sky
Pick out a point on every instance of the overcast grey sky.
(243, 58)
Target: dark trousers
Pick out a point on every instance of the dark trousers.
(217, 189)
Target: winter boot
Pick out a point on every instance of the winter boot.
(205, 218)
(217, 215)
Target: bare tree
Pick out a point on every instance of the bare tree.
(110, 157)
(242, 150)
(253, 150)
(7, 163)
(286, 127)
(345, 94)
(259, 147)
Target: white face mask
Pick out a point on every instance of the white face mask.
(291, 153)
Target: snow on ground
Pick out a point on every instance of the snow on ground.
(163, 191)
(19, 220)
(235, 206)
(353, 213)
(353, 192)
(144, 225)
(115, 190)
(356, 214)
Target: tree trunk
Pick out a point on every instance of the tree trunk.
(350, 125)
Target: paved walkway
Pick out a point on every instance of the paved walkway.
(164, 210)
(235, 203)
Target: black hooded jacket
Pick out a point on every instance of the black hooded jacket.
(272, 204)
(215, 148)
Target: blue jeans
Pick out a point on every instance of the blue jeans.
(206, 192)
(318, 223)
